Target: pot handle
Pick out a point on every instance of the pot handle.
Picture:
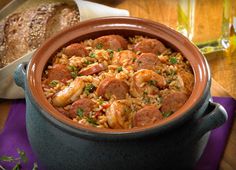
(20, 75)
(215, 118)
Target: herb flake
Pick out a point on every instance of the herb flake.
(17, 167)
(89, 88)
(80, 112)
(22, 158)
(173, 60)
(73, 74)
(101, 102)
(73, 70)
(92, 55)
(7, 158)
(87, 62)
(111, 52)
(22, 155)
(91, 121)
(99, 46)
(167, 114)
(119, 69)
(53, 83)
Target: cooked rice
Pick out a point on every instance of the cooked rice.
(125, 73)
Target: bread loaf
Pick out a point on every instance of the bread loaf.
(24, 31)
(2, 42)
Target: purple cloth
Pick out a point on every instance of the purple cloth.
(14, 136)
(218, 138)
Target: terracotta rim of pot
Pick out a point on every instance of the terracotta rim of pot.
(125, 26)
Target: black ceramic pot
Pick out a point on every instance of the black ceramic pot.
(176, 142)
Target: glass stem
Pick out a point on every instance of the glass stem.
(226, 23)
(186, 16)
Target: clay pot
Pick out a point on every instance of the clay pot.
(176, 142)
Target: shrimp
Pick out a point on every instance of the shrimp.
(188, 81)
(146, 81)
(125, 58)
(69, 94)
(119, 114)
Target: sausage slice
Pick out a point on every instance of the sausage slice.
(75, 49)
(149, 45)
(59, 72)
(146, 61)
(113, 42)
(85, 105)
(92, 69)
(173, 101)
(146, 116)
(112, 86)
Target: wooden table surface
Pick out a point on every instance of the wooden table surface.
(223, 67)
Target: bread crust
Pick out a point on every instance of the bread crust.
(2, 42)
(27, 30)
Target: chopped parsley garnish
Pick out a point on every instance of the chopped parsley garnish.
(17, 167)
(22, 155)
(134, 59)
(152, 82)
(111, 52)
(173, 60)
(7, 158)
(119, 49)
(99, 46)
(20, 159)
(92, 55)
(80, 112)
(101, 102)
(119, 69)
(91, 121)
(74, 74)
(53, 83)
(89, 88)
(167, 114)
(87, 62)
(73, 70)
